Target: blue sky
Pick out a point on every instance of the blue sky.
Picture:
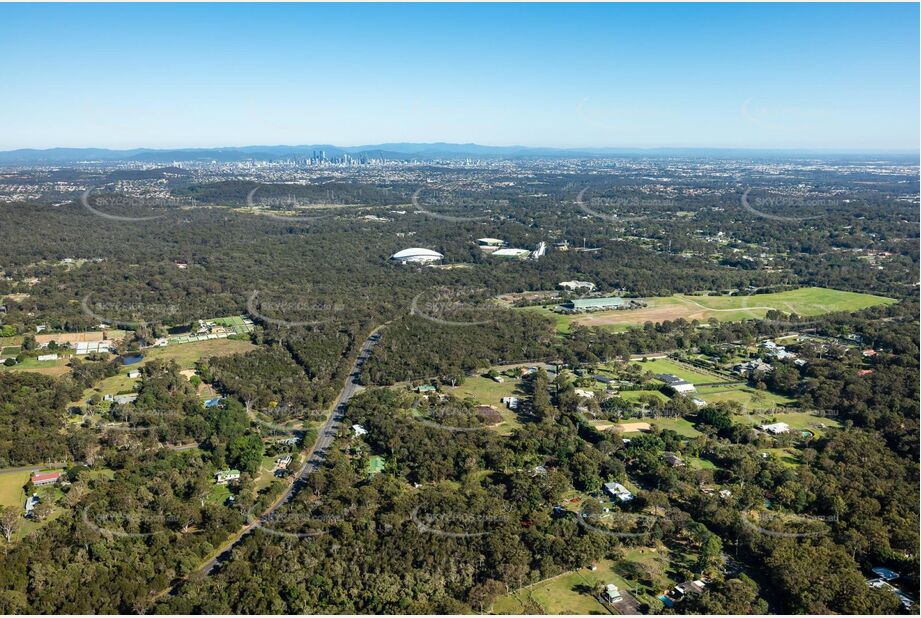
(830, 76)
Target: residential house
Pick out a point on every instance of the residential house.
(673, 459)
(46, 478)
(223, 477)
(612, 593)
(676, 384)
(618, 492)
(776, 428)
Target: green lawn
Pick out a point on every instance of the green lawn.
(113, 385)
(11, 493)
(750, 398)
(489, 392)
(569, 593)
(376, 464)
(266, 474)
(695, 377)
(719, 388)
(789, 457)
(635, 395)
(804, 302)
(219, 494)
(798, 421)
(53, 368)
(698, 463)
(187, 354)
(680, 426)
(561, 321)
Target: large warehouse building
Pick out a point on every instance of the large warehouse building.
(416, 255)
(593, 304)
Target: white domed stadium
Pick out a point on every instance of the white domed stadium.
(416, 255)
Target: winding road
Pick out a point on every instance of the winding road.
(316, 454)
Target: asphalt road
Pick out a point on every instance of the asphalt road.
(33, 468)
(315, 455)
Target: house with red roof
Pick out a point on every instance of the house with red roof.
(46, 478)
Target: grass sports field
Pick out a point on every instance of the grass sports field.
(803, 302)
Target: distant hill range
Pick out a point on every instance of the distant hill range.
(398, 151)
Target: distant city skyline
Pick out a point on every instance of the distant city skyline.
(834, 77)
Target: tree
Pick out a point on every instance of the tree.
(482, 595)
(246, 453)
(42, 510)
(9, 522)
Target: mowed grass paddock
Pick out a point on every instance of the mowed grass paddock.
(488, 392)
(805, 302)
(11, 493)
(569, 593)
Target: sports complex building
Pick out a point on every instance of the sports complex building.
(416, 255)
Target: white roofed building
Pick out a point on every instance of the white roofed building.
(577, 285)
(416, 255)
(511, 253)
(776, 428)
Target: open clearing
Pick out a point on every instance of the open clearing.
(11, 493)
(685, 372)
(680, 426)
(624, 426)
(187, 354)
(55, 368)
(803, 302)
(798, 421)
(489, 392)
(569, 593)
(714, 388)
